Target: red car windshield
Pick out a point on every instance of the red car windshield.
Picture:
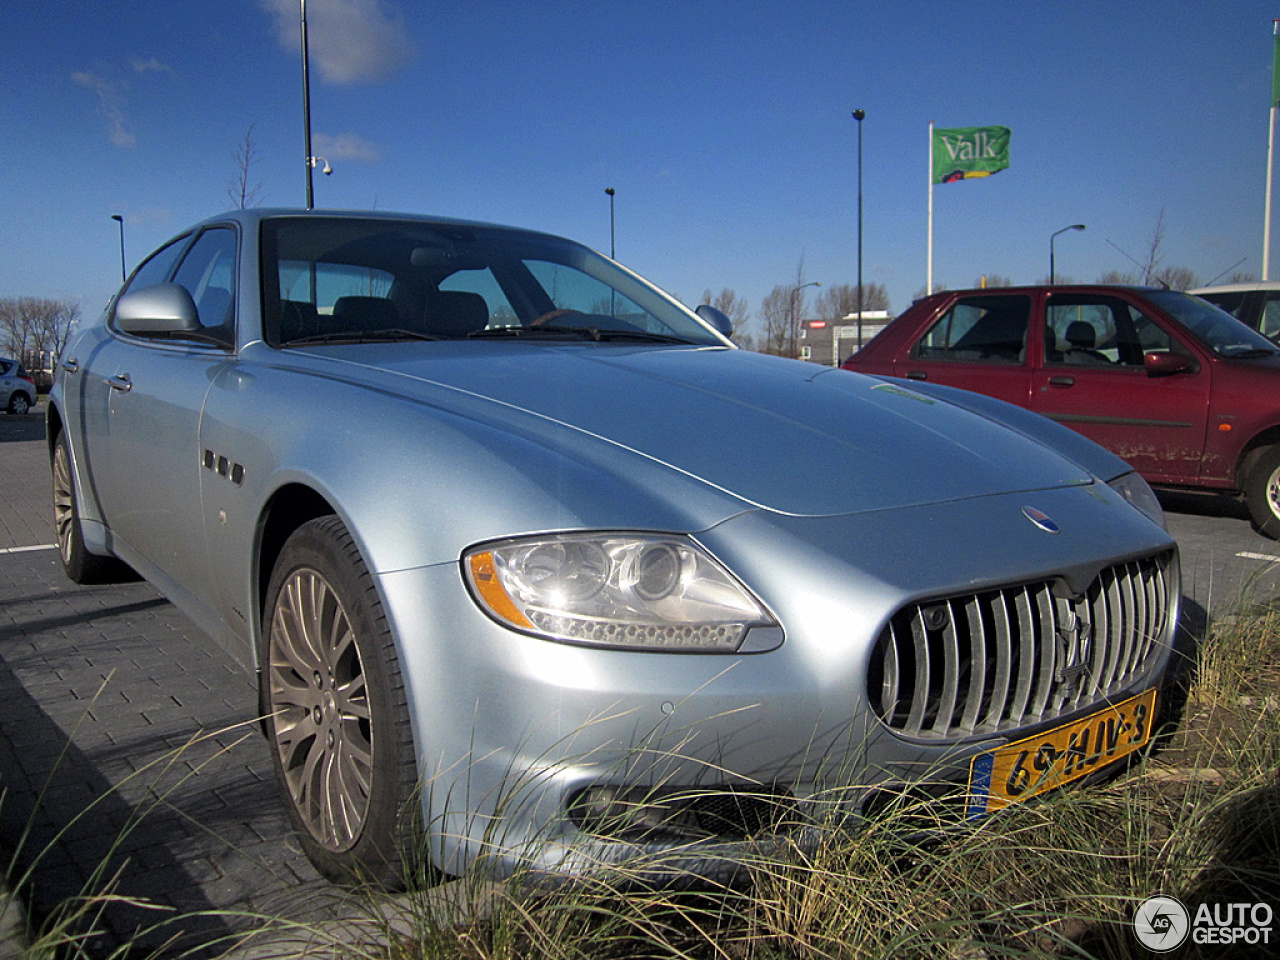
(1215, 328)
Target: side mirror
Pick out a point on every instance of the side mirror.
(165, 309)
(719, 321)
(1167, 364)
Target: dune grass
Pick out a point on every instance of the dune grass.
(1199, 819)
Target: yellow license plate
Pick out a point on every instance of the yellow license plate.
(1038, 764)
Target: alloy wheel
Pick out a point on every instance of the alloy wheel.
(322, 725)
(64, 513)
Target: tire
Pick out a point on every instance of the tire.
(19, 403)
(78, 563)
(1262, 493)
(336, 714)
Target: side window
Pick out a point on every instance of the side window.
(991, 329)
(1269, 322)
(1098, 331)
(208, 272)
(156, 268)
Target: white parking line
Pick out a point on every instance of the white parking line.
(47, 546)
(1258, 556)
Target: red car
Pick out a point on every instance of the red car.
(1182, 390)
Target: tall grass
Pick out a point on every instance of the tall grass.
(1058, 876)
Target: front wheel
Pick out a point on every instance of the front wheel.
(1262, 493)
(336, 712)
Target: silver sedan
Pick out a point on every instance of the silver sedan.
(535, 569)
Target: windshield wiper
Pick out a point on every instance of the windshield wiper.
(369, 336)
(642, 336)
(1251, 353)
(543, 330)
(596, 334)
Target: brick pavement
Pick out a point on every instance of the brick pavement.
(127, 745)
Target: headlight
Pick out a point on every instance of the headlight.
(617, 590)
(1136, 490)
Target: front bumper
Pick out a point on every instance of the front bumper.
(511, 730)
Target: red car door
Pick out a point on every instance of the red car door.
(1091, 377)
(979, 342)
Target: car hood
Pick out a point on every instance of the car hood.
(778, 434)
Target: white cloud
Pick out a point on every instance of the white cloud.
(343, 146)
(348, 41)
(151, 65)
(110, 104)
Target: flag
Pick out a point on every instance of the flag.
(962, 153)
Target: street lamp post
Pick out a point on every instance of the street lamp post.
(120, 220)
(795, 330)
(612, 254)
(859, 115)
(1053, 276)
(306, 111)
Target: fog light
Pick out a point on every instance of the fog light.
(613, 811)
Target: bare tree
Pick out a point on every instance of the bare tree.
(238, 187)
(1118, 277)
(782, 312)
(776, 312)
(35, 329)
(735, 308)
(1176, 278)
(1153, 252)
(993, 280)
(841, 300)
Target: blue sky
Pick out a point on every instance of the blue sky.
(725, 129)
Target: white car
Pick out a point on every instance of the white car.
(1256, 303)
(17, 387)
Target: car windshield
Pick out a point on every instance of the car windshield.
(356, 279)
(1215, 328)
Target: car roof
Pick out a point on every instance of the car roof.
(1030, 289)
(252, 216)
(1238, 287)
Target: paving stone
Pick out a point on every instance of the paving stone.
(140, 731)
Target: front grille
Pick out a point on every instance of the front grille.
(989, 662)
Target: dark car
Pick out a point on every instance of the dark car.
(1256, 304)
(1186, 393)
(17, 388)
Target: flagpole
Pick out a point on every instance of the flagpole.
(928, 282)
(1271, 151)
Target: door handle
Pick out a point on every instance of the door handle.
(122, 383)
(1062, 381)
(917, 375)
(70, 365)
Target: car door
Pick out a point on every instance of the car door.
(1093, 379)
(144, 397)
(979, 343)
(8, 381)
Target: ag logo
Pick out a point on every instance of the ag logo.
(1161, 923)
